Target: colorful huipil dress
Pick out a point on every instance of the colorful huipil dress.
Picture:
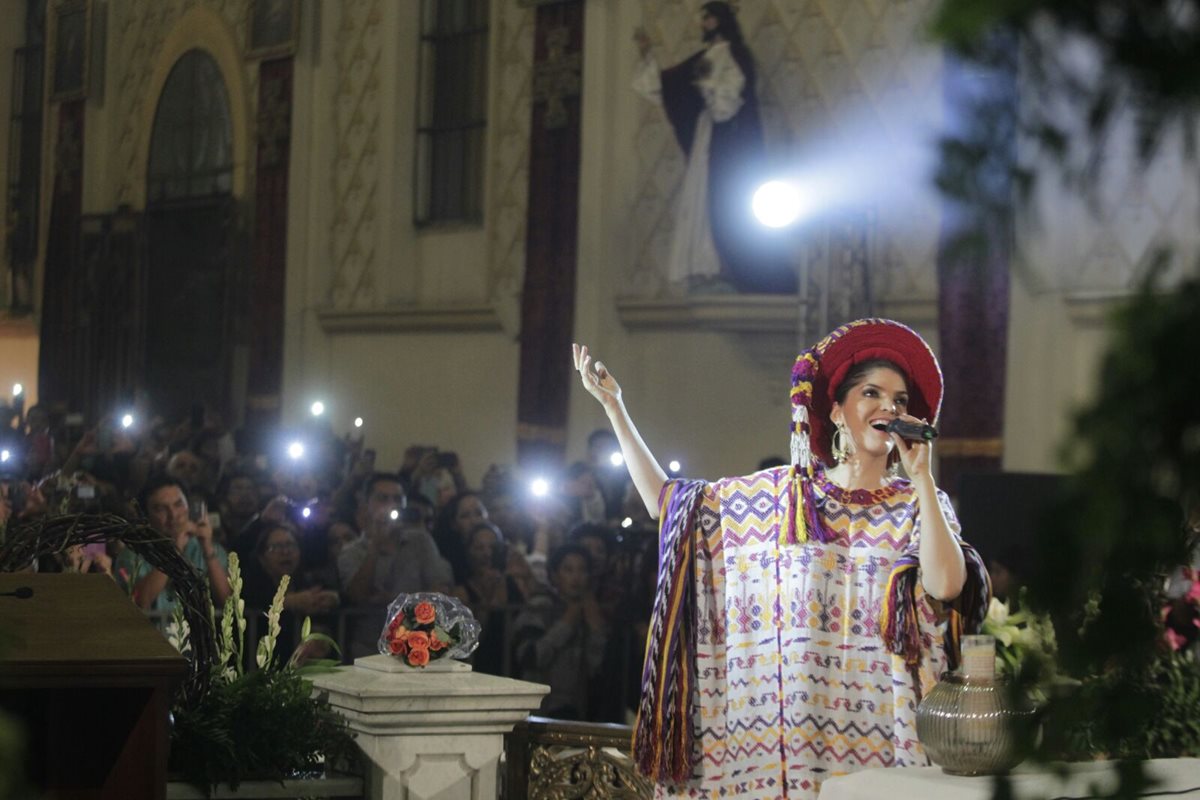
(792, 680)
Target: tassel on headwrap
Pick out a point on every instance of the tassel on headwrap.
(663, 738)
(898, 622)
(805, 521)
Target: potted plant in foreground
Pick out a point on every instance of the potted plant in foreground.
(262, 724)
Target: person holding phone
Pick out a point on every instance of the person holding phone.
(390, 557)
(165, 503)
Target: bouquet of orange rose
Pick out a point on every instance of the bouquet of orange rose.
(427, 626)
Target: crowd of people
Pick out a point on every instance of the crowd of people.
(562, 583)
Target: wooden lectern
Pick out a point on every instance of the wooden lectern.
(91, 678)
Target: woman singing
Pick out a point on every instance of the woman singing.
(802, 611)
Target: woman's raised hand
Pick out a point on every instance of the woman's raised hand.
(598, 381)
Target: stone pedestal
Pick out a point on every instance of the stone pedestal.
(428, 735)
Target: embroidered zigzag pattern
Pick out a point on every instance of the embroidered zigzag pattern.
(797, 686)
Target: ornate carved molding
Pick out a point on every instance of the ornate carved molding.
(1093, 309)
(734, 313)
(557, 78)
(443, 319)
(358, 148)
(557, 760)
(558, 772)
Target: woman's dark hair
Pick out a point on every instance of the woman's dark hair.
(560, 555)
(264, 535)
(858, 373)
(382, 477)
(449, 543)
(201, 438)
(238, 474)
(591, 530)
(158, 481)
(500, 554)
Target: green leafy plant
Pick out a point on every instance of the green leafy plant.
(263, 723)
(1158, 704)
(1025, 643)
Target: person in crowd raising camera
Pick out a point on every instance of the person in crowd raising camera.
(392, 555)
(166, 507)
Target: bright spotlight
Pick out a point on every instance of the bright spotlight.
(17, 389)
(616, 459)
(358, 422)
(540, 487)
(317, 408)
(127, 421)
(627, 522)
(777, 204)
(306, 513)
(5, 455)
(675, 466)
(395, 515)
(296, 451)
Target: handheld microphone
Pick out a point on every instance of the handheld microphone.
(21, 593)
(913, 431)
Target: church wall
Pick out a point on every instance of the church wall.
(364, 275)
(144, 42)
(717, 393)
(12, 36)
(415, 327)
(363, 278)
(1077, 257)
(366, 287)
(452, 392)
(18, 336)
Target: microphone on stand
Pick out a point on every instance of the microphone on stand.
(21, 593)
(913, 431)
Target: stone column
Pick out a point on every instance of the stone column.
(430, 734)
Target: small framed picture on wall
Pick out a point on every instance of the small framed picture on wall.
(273, 28)
(70, 36)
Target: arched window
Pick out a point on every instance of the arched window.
(191, 147)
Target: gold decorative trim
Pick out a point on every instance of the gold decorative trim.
(528, 432)
(970, 448)
(82, 49)
(737, 313)
(557, 78)
(441, 319)
(560, 760)
(916, 312)
(264, 402)
(277, 49)
(1094, 309)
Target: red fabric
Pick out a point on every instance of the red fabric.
(62, 358)
(265, 378)
(548, 295)
(883, 340)
(973, 262)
